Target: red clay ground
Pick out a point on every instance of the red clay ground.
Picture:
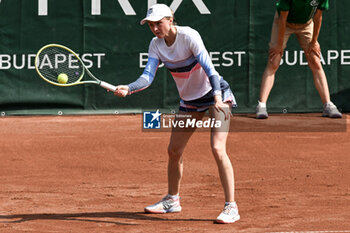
(97, 173)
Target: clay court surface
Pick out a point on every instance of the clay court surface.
(97, 173)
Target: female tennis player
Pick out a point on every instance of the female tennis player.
(200, 87)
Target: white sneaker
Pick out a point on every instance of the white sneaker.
(330, 110)
(166, 205)
(261, 112)
(229, 214)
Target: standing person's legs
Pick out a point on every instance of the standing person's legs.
(268, 77)
(314, 61)
(319, 77)
(304, 36)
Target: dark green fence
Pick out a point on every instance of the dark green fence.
(108, 35)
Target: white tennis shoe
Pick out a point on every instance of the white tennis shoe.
(166, 205)
(229, 214)
(330, 110)
(261, 112)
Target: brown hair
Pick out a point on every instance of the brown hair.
(174, 21)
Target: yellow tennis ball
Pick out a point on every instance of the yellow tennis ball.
(62, 78)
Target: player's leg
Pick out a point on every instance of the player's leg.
(319, 76)
(218, 138)
(218, 144)
(178, 141)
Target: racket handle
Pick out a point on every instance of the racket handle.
(108, 86)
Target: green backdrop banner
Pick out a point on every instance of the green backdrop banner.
(109, 38)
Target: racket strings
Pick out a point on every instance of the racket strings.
(53, 61)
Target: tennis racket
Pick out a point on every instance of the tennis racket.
(61, 66)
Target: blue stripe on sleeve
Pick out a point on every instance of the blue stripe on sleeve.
(147, 76)
(151, 68)
(204, 59)
(214, 77)
(215, 84)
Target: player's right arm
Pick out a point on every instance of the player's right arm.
(144, 80)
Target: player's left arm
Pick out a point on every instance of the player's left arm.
(202, 56)
(314, 46)
(214, 78)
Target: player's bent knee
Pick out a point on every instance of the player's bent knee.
(218, 152)
(174, 153)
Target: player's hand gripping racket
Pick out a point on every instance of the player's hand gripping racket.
(61, 66)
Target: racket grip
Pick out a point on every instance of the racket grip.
(108, 86)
